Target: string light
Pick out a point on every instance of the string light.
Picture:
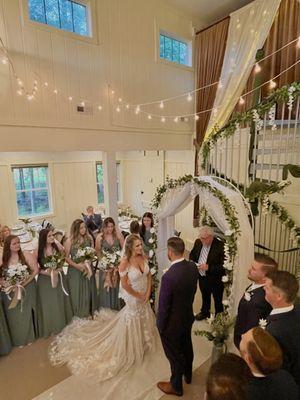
(19, 82)
(55, 91)
(46, 84)
(163, 119)
(99, 108)
(82, 103)
(120, 100)
(29, 97)
(257, 68)
(112, 92)
(137, 109)
(272, 84)
(149, 116)
(4, 60)
(161, 104)
(70, 98)
(196, 117)
(176, 119)
(127, 106)
(189, 98)
(118, 109)
(241, 101)
(20, 92)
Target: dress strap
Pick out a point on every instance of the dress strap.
(123, 273)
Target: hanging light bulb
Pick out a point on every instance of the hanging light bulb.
(137, 109)
(4, 60)
(99, 108)
(20, 92)
(161, 104)
(35, 82)
(257, 68)
(127, 106)
(55, 91)
(70, 98)
(241, 101)
(46, 84)
(149, 116)
(29, 97)
(196, 117)
(118, 109)
(163, 119)
(20, 83)
(120, 99)
(189, 98)
(176, 119)
(82, 103)
(112, 92)
(220, 85)
(272, 84)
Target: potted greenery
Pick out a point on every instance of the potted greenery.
(220, 327)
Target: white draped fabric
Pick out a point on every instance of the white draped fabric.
(176, 199)
(247, 32)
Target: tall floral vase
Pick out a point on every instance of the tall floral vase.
(217, 350)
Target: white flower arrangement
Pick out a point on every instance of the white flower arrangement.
(85, 254)
(151, 253)
(15, 275)
(225, 279)
(258, 121)
(247, 296)
(271, 114)
(110, 259)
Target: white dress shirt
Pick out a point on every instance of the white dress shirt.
(281, 310)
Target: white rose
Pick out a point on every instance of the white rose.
(153, 271)
(225, 278)
(228, 266)
(225, 303)
(152, 230)
(151, 240)
(229, 233)
(151, 253)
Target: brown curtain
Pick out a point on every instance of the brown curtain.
(210, 47)
(286, 27)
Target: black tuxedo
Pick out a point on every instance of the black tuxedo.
(211, 283)
(277, 386)
(285, 327)
(250, 312)
(175, 318)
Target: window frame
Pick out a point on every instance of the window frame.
(173, 36)
(119, 183)
(91, 22)
(48, 188)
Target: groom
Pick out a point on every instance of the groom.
(175, 316)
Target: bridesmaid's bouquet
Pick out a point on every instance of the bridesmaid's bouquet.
(86, 255)
(110, 261)
(55, 263)
(14, 278)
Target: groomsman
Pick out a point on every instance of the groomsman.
(284, 320)
(208, 254)
(253, 306)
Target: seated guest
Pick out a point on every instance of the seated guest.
(253, 306)
(208, 254)
(93, 221)
(284, 320)
(228, 379)
(134, 227)
(263, 355)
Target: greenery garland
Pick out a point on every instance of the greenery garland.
(231, 235)
(286, 93)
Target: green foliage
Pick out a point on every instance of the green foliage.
(220, 328)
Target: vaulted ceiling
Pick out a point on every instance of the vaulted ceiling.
(205, 12)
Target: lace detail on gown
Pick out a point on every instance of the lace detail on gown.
(111, 343)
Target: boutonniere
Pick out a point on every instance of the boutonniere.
(263, 323)
(247, 296)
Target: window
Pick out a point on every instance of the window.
(174, 50)
(32, 189)
(63, 14)
(100, 185)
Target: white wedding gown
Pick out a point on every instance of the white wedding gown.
(111, 343)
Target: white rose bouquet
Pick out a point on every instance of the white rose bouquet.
(54, 264)
(86, 255)
(14, 279)
(110, 261)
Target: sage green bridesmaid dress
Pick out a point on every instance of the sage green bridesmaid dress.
(5, 342)
(22, 319)
(54, 306)
(109, 298)
(83, 291)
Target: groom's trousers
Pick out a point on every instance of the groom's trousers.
(179, 351)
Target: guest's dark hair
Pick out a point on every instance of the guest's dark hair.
(176, 244)
(228, 378)
(264, 351)
(134, 227)
(7, 252)
(143, 227)
(268, 263)
(43, 235)
(286, 282)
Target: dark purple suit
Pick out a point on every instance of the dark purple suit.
(175, 318)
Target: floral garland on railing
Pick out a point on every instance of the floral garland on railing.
(288, 94)
(231, 235)
(273, 207)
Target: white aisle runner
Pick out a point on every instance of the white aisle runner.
(139, 383)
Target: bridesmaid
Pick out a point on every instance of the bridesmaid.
(147, 224)
(109, 240)
(82, 290)
(22, 319)
(5, 342)
(54, 306)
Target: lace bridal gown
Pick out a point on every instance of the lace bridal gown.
(113, 342)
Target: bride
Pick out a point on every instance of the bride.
(111, 343)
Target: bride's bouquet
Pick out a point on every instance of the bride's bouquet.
(14, 279)
(110, 261)
(86, 255)
(54, 263)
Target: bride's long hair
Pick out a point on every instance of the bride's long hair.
(129, 243)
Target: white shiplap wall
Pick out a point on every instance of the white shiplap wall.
(123, 56)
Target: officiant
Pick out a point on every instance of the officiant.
(208, 254)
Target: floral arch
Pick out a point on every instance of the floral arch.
(226, 208)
